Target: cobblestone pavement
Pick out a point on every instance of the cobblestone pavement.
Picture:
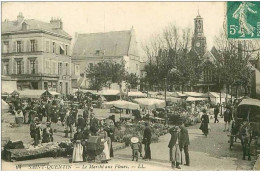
(206, 153)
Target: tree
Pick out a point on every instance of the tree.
(166, 51)
(105, 73)
(232, 65)
(132, 79)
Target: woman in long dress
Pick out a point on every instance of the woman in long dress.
(105, 139)
(77, 155)
(204, 123)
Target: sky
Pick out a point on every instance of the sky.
(147, 18)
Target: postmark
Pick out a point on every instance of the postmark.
(243, 20)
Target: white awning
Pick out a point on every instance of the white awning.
(121, 104)
(137, 94)
(110, 92)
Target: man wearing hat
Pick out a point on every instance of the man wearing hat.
(175, 154)
(184, 142)
(147, 141)
(47, 135)
(93, 125)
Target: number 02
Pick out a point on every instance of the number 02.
(232, 30)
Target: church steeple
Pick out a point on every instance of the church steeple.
(199, 43)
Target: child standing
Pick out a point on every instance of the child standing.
(136, 146)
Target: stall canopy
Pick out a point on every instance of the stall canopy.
(195, 99)
(121, 104)
(5, 107)
(33, 93)
(137, 94)
(178, 94)
(153, 94)
(194, 94)
(53, 93)
(110, 92)
(253, 102)
(150, 103)
(15, 93)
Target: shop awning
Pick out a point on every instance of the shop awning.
(194, 94)
(137, 94)
(150, 103)
(110, 93)
(32, 93)
(195, 99)
(122, 104)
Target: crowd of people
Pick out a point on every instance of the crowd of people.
(77, 113)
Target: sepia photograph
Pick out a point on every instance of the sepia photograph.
(130, 86)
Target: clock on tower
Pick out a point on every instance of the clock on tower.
(199, 43)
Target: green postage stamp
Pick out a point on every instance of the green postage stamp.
(243, 20)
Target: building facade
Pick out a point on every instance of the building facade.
(37, 54)
(117, 46)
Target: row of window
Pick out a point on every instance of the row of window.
(52, 47)
(19, 67)
(32, 47)
(54, 67)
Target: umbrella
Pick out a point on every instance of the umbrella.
(150, 102)
(121, 104)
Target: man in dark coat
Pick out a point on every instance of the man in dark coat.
(227, 117)
(147, 141)
(184, 143)
(175, 147)
(47, 134)
(216, 111)
(94, 125)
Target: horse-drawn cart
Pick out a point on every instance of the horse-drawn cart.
(246, 125)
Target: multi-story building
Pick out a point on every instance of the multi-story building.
(37, 54)
(118, 46)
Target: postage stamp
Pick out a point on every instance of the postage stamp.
(243, 20)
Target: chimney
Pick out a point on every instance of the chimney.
(20, 18)
(57, 23)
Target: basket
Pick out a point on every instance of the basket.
(19, 120)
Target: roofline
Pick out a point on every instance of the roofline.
(105, 32)
(35, 31)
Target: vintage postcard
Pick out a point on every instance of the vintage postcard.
(136, 86)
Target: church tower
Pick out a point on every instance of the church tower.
(199, 43)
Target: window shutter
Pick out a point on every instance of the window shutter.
(57, 48)
(56, 67)
(44, 66)
(36, 46)
(22, 66)
(10, 67)
(28, 46)
(53, 65)
(51, 47)
(14, 47)
(22, 46)
(28, 66)
(68, 50)
(36, 66)
(14, 66)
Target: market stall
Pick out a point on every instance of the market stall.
(122, 104)
(150, 103)
(137, 94)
